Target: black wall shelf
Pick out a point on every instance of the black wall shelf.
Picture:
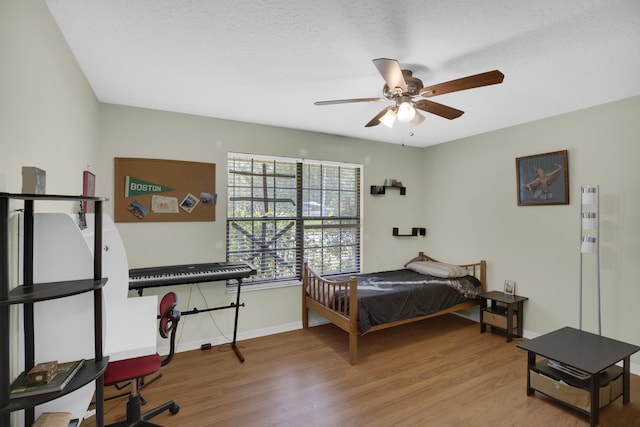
(415, 231)
(379, 190)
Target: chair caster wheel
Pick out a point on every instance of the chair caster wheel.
(174, 409)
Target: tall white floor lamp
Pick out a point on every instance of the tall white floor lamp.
(590, 237)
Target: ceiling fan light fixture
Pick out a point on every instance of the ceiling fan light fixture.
(388, 118)
(401, 88)
(406, 112)
(419, 118)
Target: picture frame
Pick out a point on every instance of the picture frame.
(88, 189)
(509, 287)
(543, 179)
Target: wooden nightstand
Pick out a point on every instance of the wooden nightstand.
(506, 312)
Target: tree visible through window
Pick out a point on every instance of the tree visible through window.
(282, 212)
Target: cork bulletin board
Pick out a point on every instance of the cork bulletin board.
(154, 190)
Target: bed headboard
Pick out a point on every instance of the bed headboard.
(477, 269)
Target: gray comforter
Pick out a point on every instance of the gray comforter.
(389, 296)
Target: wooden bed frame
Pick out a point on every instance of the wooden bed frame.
(345, 316)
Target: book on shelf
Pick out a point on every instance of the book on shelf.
(574, 372)
(64, 374)
(53, 419)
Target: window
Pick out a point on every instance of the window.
(282, 212)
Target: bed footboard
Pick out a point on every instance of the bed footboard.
(331, 299)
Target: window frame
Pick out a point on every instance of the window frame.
(301, 222)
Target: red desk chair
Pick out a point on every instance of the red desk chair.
(135, 369)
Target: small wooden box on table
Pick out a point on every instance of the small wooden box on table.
(506, 312)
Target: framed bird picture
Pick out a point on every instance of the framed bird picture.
(543, 179)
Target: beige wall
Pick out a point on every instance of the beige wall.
(134, 132)
(463, 192)
(48, 116)
(471, 202)
(48, 112)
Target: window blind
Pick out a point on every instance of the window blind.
(282, 212)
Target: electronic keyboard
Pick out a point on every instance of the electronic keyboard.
(149, 277)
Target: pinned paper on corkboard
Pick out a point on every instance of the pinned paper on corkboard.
(155, 190)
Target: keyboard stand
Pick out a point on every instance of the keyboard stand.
(235, 305)
(235, 324)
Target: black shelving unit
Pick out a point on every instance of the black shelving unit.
(30, 293)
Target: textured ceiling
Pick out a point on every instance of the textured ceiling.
(268, 61)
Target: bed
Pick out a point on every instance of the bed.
(424, 288)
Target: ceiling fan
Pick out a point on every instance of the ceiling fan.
(403, 89)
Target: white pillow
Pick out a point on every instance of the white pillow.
(438, 269)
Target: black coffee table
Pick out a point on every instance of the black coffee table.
(594, 354)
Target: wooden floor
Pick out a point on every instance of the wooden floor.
(438, 372)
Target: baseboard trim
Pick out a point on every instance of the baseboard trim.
(215, 341)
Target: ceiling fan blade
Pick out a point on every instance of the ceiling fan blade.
(392, 73)
(347, 101)
(376, 120)
(438, 109)
(470, 82)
